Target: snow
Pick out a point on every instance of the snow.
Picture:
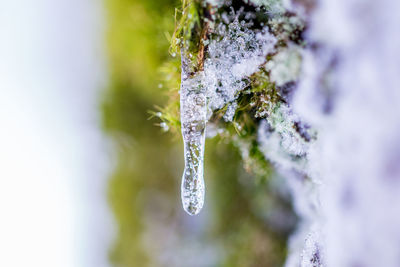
(285, 66)
(360, 136)
(349, 92)
(232, 59)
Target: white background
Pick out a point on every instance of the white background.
(53, 160)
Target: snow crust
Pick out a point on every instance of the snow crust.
(347, 189)
(359, 140)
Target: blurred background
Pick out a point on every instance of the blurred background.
(54, 159)
(86, 177)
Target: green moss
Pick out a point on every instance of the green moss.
(188, 27)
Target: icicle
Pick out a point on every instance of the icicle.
(193, 125)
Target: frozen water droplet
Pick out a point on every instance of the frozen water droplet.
(193, 125)
(164, 126)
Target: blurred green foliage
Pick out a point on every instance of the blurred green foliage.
(235, 228)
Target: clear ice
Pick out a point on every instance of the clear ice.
(193, 102)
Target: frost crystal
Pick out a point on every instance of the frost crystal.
(232, 58)
(230, 112)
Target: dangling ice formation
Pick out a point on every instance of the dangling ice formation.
(193, 103)
(214, 84)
